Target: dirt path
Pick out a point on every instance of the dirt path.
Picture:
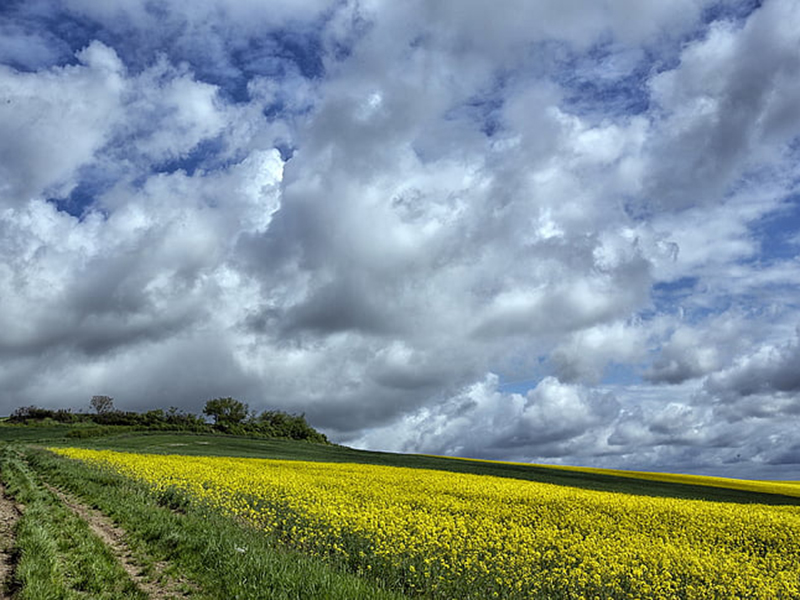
(159, 587)
(9, 514)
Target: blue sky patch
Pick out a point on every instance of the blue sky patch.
(207, 91)
(203, 156)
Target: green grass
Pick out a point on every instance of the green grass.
(222, 445)
(225, 558)
(32, 433)
(59, 557)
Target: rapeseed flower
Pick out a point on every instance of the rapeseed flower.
(451, 535)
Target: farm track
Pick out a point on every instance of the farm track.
(10, 513)
(158, 587)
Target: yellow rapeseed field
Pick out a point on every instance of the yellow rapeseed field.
(786, 488)
(459, 536)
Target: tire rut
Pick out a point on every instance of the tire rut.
(10, 512)
(159, 587)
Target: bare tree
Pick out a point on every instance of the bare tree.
(102, 404)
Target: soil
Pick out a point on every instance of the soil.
(157, 586)
(10, 513)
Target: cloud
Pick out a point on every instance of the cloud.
(27, 49)
(383, 214)
(691, 351)
(482, 421)
(585, 355)
(730, 103)
(53, 123)
(761, 383)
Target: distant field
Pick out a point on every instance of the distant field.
(16, 433)
(787, 488)
(332, 522)
(592, 479)
(652, 484)
(458, 535)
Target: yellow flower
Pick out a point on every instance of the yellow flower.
(462, 536)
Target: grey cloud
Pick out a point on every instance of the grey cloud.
(675, 370)
(446, 213)
(685, 350)
(790, 456)
(484, 422)
(723, 104)
(342, 305)
(687, 355)
(567, 306)
(770, 369)
(183, 371)
(674, 424)
(423, 370)
(584, 355)
(681, 428)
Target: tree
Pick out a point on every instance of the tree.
(280, 424)
(226, 411)
(102, 404)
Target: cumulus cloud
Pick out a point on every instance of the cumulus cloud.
(731, 103)
(53, 123)
(382, 213)
(585, 355)
(692, 351)
(761, 383)
(549, 420)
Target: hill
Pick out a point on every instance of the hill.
(318, 520)
(199, 443)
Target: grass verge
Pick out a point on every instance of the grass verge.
(225, 558)
(58, 556)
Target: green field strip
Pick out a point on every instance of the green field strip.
(593, 479)
(779, 488)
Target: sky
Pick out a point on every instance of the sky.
(564, 231)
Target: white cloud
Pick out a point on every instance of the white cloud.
(482, 421)
(53, 122)
(467, 193)
(585, 354)
(175, 112)
(244, 13)
(29, 49)
(727, 105)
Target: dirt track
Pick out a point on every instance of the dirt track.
(114, 537)
(9, 514)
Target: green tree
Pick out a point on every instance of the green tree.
(280, 424)
(226, 411)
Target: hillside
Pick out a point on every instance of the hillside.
(205, 444)
(167, 532)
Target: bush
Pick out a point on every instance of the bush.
(32, 413)
(230, 416)
(91, 432)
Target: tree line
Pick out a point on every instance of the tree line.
(227, 415)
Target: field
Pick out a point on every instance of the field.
(210, 516)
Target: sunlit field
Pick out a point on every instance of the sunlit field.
(787, 488)
(451, 535)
